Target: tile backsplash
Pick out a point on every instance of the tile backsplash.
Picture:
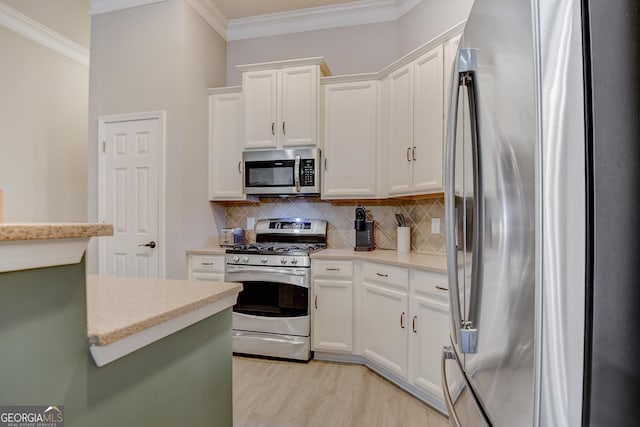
(340, 215)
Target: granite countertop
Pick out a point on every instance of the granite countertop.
(44, 231)
(429, 262)
(208, 250)
(118, 307)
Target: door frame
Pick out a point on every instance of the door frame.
(103, 121)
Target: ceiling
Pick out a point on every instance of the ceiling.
(234, 9)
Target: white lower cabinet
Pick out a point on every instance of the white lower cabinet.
(206, 267)
(429, 310)
(332, 310)
(393, 319)
(385, 306)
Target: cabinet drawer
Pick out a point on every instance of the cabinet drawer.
(387, 274)
(206, 263)
(430, 284)
(332, 269)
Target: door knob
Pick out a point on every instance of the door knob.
(151, 244)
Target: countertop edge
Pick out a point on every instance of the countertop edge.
(51, 231)
(418, 261)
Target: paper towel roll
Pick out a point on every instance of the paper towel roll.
(404, 239)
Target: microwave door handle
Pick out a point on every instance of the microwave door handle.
(296, 174)
(450, 206)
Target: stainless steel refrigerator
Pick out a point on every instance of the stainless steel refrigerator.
(542, 199)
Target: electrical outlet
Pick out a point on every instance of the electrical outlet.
(251, 223)
(435, 225)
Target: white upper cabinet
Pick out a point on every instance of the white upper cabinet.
(282, 103)
(428, 135)
(351, 121)
(225, 144)
(415, 126)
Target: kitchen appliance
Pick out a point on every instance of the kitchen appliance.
(272, 317)
(541, 207)
(365, 231)
(230, 237)
(282, 172)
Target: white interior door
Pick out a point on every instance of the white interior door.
(129, 187)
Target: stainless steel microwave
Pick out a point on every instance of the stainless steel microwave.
(282, 172)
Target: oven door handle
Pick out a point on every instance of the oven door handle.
(261, 271)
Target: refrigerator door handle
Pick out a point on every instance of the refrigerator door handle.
(449, 206)
(448, 354)
(469, 330)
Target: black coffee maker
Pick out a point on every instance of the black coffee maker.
(365, 236)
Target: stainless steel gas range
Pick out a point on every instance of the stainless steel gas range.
(272, 315)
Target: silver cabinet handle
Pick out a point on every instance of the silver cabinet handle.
(316, 302)
(382, 275)
(402, 319)
(325, 163)
(273, 128)
(240, 167)
(413, 324)
(284, 128)
(442, 288)
(206, 263)
(413, 153)
(408, 154)
(332, 269)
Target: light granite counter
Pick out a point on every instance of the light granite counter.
(208, 250)
(429, 262)
(125, 314)
(37, 245)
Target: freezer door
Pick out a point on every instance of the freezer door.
(462, 406)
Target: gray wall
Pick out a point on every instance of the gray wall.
(356, 49)
(161, 57)
(43, 118)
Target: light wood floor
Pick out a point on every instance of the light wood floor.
(323, 394)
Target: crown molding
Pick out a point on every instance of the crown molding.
(105, 6)
(319, 18)
(43, 35)
(210, 12)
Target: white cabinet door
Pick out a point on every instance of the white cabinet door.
(351, 119)
(428, 136)
(260, 108)
(400, 129)
(206, 267)
(384, 327)
(298, 106)
(225, 146)
(333, 315)
(429, 330)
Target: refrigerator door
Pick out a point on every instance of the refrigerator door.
(494, 322)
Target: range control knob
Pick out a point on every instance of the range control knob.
(294, 261)
(245, 259)
(283, 260)
(264, 260)
(236, 258)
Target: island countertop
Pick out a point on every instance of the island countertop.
(125, 314)
(45, 231)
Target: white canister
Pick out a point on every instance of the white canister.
(404, 239)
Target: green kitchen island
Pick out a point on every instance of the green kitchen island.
(110, 351)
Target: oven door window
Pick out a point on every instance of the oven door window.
(272, 300)
(270, 173)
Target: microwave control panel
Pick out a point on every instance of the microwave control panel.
(307, 172)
